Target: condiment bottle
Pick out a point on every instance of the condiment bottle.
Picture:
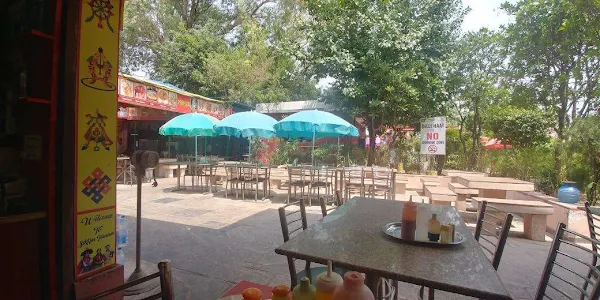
(433, 228)
(252, 294)
(354, 288)
(327, 282)
(423, 216)
(304, 290)
(280, 292)
(445, 234)
(409, 221)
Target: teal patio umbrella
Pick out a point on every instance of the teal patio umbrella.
(192, 124)
(247, 124)
(314, 124)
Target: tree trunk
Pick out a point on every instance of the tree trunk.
(476, 131)
(371, 126)
(562, 112)
(462, 138)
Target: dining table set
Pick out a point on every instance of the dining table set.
(355, 236)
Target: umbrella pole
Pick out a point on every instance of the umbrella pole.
(313, 148)
(169, 146)
(195, 167)
(227, 148)
(338, 152)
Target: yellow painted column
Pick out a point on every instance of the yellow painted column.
(95, 201)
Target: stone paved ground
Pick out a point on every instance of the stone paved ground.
(214, 242)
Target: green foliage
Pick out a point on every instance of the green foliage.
(387, 57)
(532, 163)
(284, 152)
(519, 127)
(239, 51)
(584, 162)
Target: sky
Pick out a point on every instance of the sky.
(484, 13)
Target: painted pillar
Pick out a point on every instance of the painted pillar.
(96, 137)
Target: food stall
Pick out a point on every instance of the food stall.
(144, 105)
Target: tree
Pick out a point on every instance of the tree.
(235, 50)
(554, 47)
(473, 84)
(183, 60)
(519, 127)
(584, 136)
(386, 56)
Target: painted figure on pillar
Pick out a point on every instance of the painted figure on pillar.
(101, 9)
(100, 70)
(96, 132)
(85, 264)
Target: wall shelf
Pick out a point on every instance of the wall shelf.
(22, 217)
(41, 34)
(38, 100)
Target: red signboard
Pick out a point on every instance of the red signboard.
(144, 95)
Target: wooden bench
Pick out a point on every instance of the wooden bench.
(462, 194)
(439, 195)
(534, 214)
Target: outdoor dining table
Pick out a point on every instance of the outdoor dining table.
(186, 163)
(352, 237)
(495, 187)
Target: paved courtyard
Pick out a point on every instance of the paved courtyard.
(214, 242)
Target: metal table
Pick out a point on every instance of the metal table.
(352, 238)
(180, 163)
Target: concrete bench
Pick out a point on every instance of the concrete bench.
(439, 195)
(534, 214)
(401, 186)
(169, 171)
(462, 194)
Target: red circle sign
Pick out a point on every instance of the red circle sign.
(432, 149)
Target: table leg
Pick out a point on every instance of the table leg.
(535, 227)
(393, 185)
(178, 177)
(372, 281)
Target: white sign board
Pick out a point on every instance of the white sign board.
(433, 136)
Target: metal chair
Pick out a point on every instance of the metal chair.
(333, 205)
(206, 174)
(498, 229)
(232, 176)
(559, 280)
(287, 218)
(354, 182)
(298, 177)
(322, 179)
(166, 284)
(382, 181)
(593, 216)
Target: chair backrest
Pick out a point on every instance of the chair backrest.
(337, 202)
(354, 175)
(322, 175)
(292, 214)
(495, 224)
(381, 176)
(570, 258)
(593, 216)
(166, 284)
(232, 171)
